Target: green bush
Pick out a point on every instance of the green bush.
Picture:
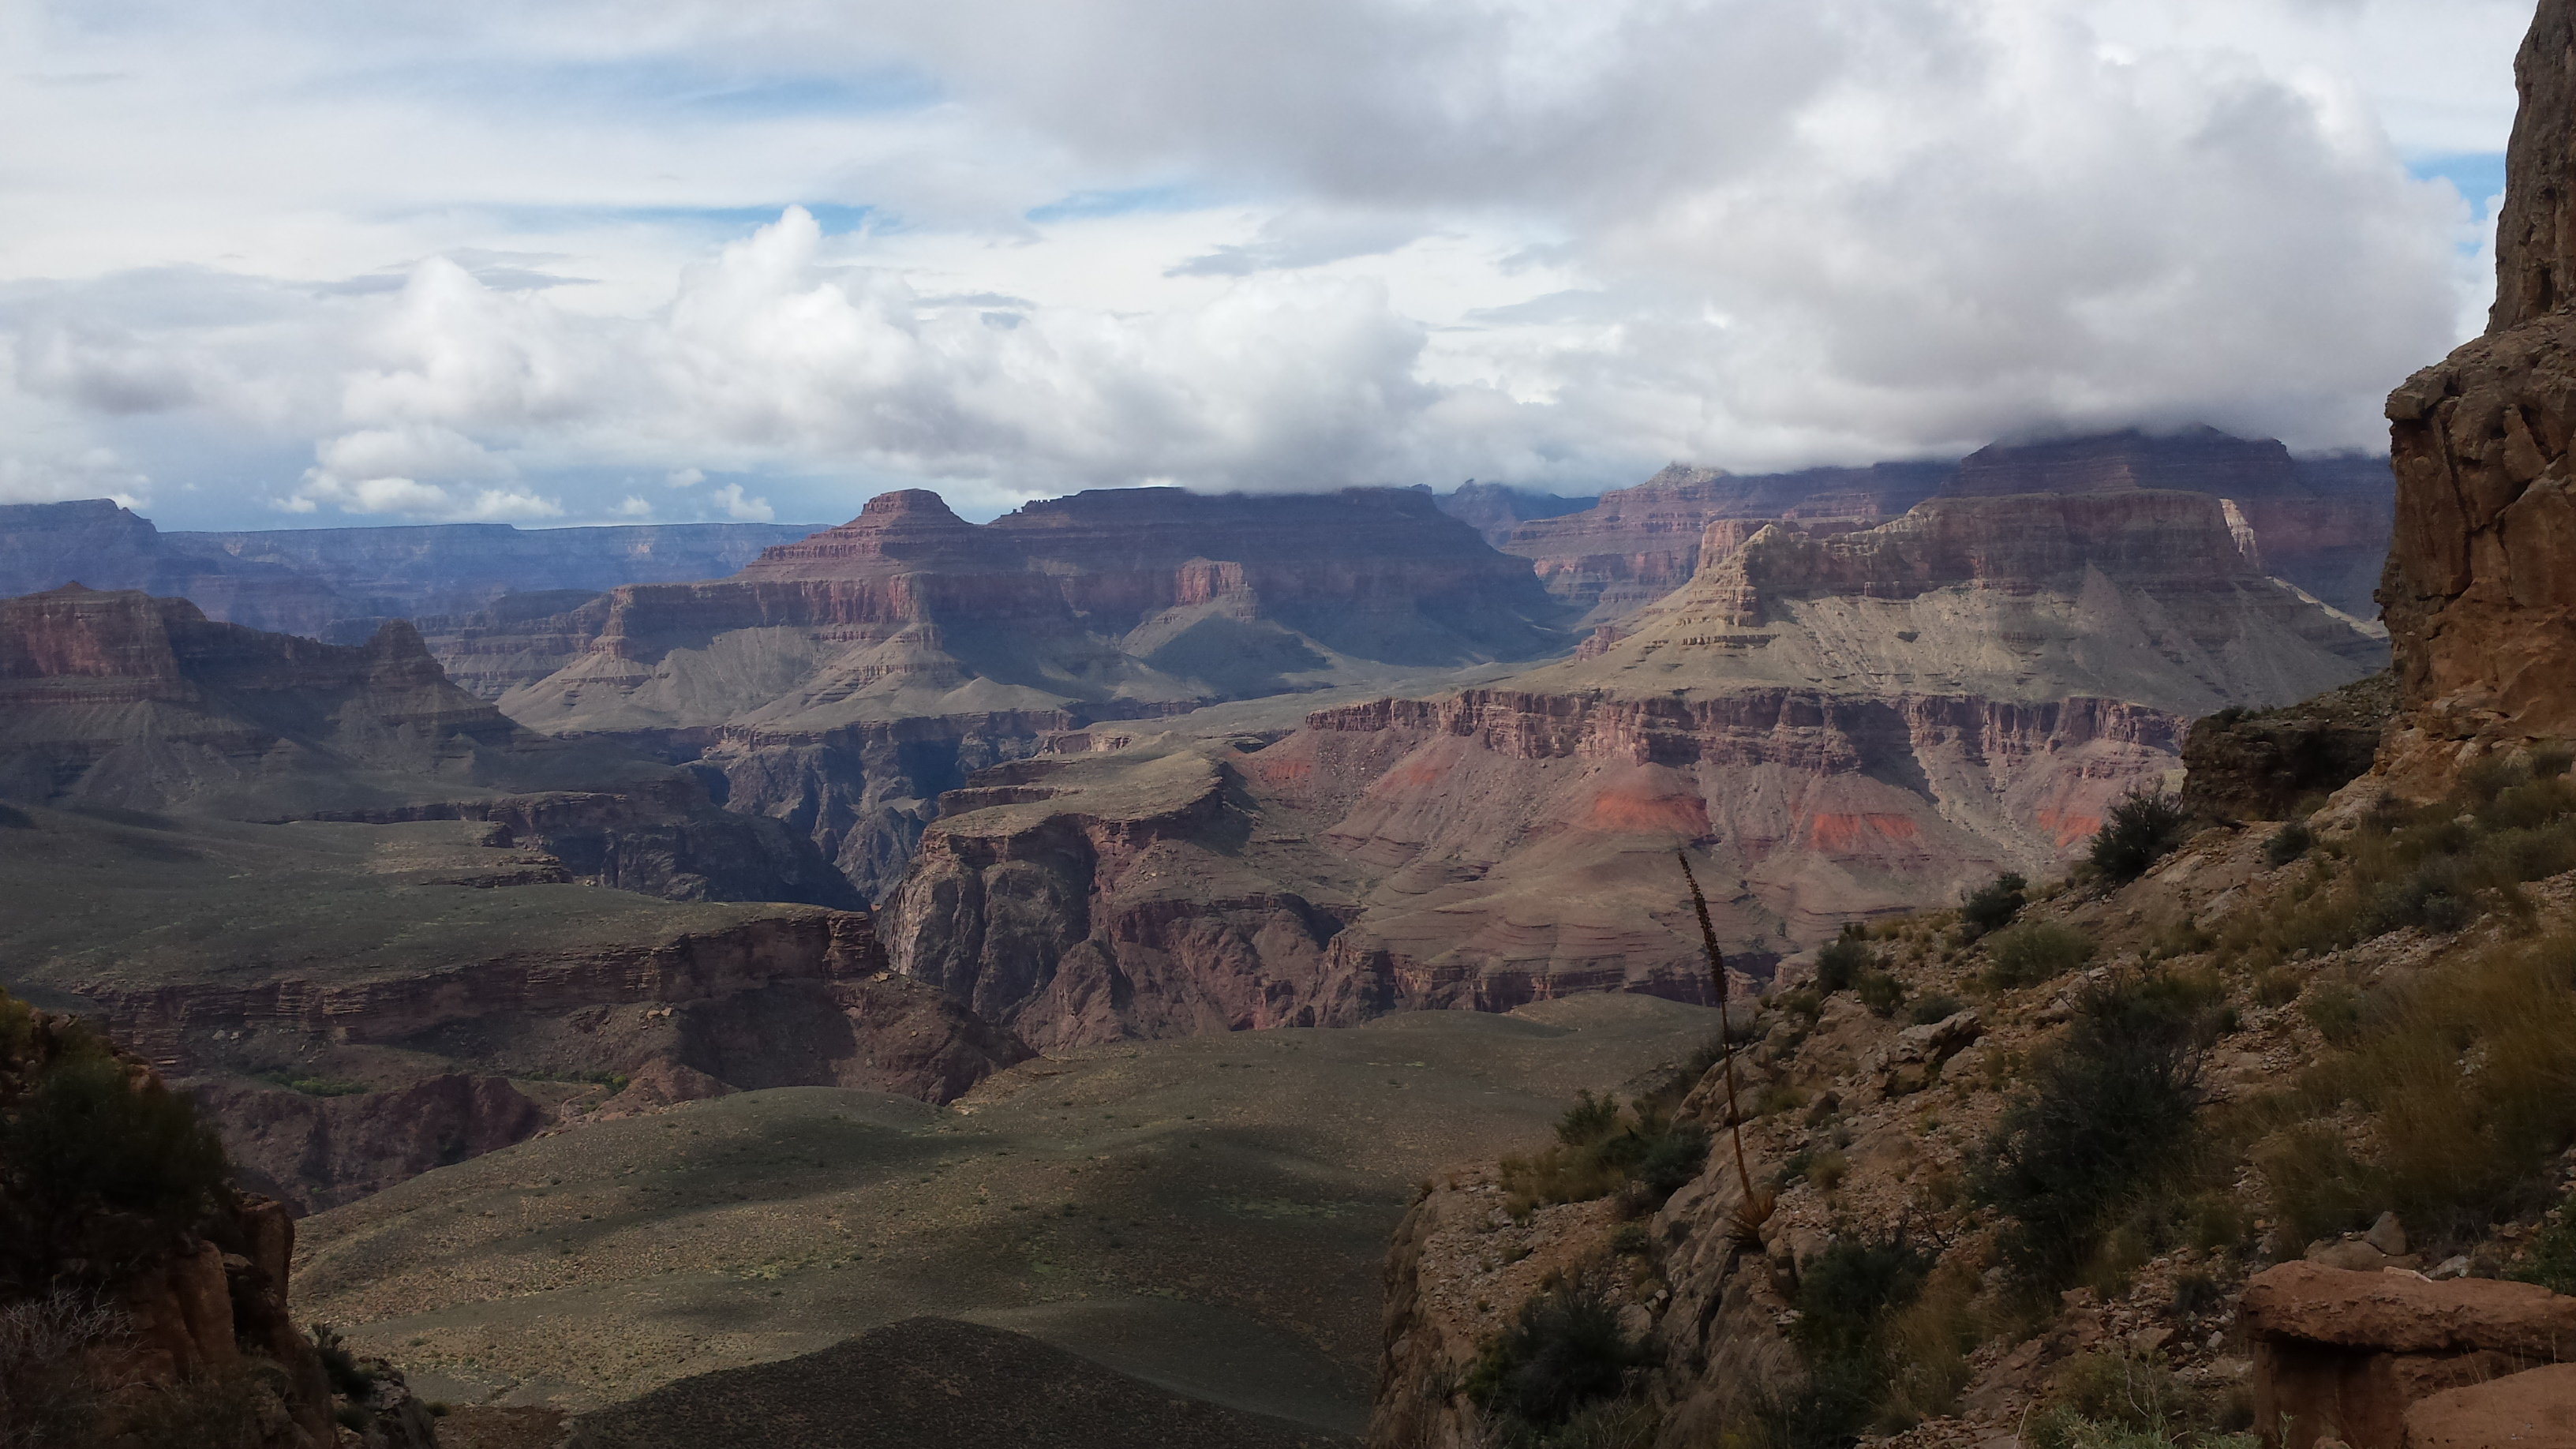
(1564, 1352)
(2552, 1263)
(1848, 1297)
(2111, 1103)
(2141, 829)
(1881, 993)
(1600, 1151)
(2035, 951)
(2288, 843)
(1992, 906)
(96, 1168)
(1938, 1006)
(1843, 961)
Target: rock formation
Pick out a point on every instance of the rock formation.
(2358, 1357)
(843, 682)
(2321, 523)
(2264, 764)
(1496, 509)
(190, 1288)
(340, 584)
(1842, 723)
(125, 700)
(2480, 605)
(314, 1152)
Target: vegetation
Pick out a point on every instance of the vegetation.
(96, 1166)
(1564, 1357)
(2108, 1109)
(1641, 1154)
(1932, 1007)
(1844, 960)
(2436, 867)
(2123, 1401)
(1881, 993)
(1992, 906)
(1885, 1335)
(2033, 952)
(2143, 827)
(2461, 1074)
(2288, 843)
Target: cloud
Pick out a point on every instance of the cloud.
(1010, 247)
(741, 509)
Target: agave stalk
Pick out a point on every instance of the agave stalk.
(1756, 1208)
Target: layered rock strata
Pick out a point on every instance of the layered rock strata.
(2321, 523)
(788, 997)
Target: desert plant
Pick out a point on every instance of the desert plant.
(1932, 1007)
(2288, 843)
(49, 1387)
(1563, 1352)
(100, 1166)
(1992, 906)
(2142, 828)
(1852, 1299)
(2111, 1103)
(2035, 951)
(1844, 960)
(1601, 1151)
(2462, 1074)
(1881, 993)
(2552, 1262)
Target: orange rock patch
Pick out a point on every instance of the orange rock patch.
(1839, 832)
(1635, 812)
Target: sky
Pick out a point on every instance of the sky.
(285, 263)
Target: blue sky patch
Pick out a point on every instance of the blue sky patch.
(1090, 205)
(2478, 174)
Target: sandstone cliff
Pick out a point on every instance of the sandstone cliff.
(1839, 723)
(2321, 523)
(2481, 609)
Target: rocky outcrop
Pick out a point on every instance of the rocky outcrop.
(2480, 604)
(800, 997)
(2260, 765)
(131, 700)
(2321, 523)
(319, 1152)
(2348, 1356)
(192, 1297)
(1494, 510)
(1640, 543)
(95, 542)
(1088, 905)
(2534, 1409)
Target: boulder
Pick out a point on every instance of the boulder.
(2348, 1354)
(2535, 1409)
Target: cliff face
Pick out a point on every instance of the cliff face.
(1494, 510)
(141, 701)
(841, 683)
(1838, 722)
(340, 584)
(2480, 597)
(2321, 523)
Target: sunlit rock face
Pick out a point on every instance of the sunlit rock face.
(2481, 585)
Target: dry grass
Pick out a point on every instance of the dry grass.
(2465, 1078)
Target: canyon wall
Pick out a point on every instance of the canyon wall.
(2322, 523)
(2480, 596)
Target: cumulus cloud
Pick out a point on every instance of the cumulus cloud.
(1358, 241)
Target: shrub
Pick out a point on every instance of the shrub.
(1849, 1298)
(96, 1167)
(48, 1392)
(1991, 907)
(2142, 827)
(2110, 1104)
(2288, 843)
(1651, 1156)
(2124, 1401)
(1563, 1352)
(1938, 1006)
(1843, 961)
(2462, 1073)
(2552, 1263)
(2035, 951)
(1881, 993)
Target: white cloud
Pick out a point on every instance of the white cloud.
(1237, 246)
(741, 509)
